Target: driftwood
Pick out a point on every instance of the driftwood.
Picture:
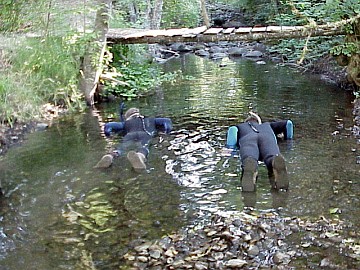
(204, 34)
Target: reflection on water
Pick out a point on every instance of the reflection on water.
(67, 215)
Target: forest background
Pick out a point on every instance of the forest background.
(43, 44)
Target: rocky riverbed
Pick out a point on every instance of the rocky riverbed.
(252, 240)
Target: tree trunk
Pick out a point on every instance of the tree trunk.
(147, 23)
(133, 12)
(153, 14)
(157, 14)
(204, 13)
(102, 19)
(90, 73)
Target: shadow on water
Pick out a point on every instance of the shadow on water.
(67, 215)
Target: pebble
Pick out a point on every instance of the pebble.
(253, 251)
(235, 263)
(155, 254)
(201, 266)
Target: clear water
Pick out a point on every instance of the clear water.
(60, 213)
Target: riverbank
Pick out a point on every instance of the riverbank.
(13, 135)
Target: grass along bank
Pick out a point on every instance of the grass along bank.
(38, 80)
(37, 71)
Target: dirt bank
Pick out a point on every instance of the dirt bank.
(330, 71)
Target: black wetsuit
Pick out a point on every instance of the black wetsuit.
(138, 132)
(259, 141)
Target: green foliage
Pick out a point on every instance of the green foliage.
(51, 68)
(183, 13)
(121, 14)
(10, 11)
(18, 102)
(334, 10)
(293, 12)
(259, 11)
(119, 19)
(41, 69)
(346, 49)
(321, 12)
(139, 79)
(19, 15)
(139, 76)
(292, 49)
(304, 11)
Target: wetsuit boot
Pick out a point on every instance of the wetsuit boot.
(280, 175)
(105, 161)
(249, 174)
(137, 160)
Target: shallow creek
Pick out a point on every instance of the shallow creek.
(60, 213)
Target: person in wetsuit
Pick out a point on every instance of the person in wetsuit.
(138, 132)
(257, 141)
